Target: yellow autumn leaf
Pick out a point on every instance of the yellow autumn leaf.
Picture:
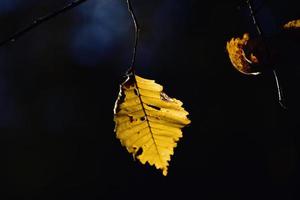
(235, 48)
(294, 24)
(148, 122)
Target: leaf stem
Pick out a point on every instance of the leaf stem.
(39, 21)
(260, 33)
(136, 37)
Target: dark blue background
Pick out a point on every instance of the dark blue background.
(59, 82)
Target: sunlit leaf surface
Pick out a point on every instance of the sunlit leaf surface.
(148, 122)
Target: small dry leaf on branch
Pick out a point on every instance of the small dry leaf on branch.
(148, 122)
(294, 24)
(235, 48)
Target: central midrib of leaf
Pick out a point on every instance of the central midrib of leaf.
(146, 118)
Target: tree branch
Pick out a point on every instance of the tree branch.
(136, 37)
(39, 21)
(260, 33)
(254, 18)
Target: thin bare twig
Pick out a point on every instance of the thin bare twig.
(279, 90)
(136, 36)
(260, 33)
(254, 18)
(39, 21)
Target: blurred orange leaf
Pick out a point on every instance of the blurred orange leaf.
(235, 48)
(294, 24)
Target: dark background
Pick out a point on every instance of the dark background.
(59, 82)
